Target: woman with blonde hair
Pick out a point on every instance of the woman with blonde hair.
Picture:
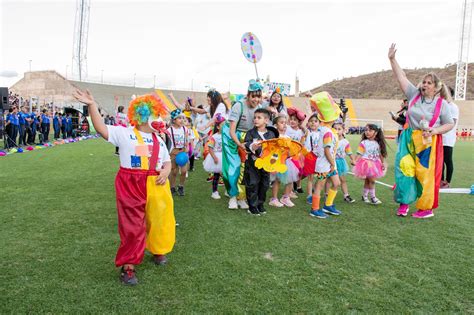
(419, 160)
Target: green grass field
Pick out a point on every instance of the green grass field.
(59, 238)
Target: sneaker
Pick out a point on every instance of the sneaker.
(233, 203)
(210, 178)
(261, 209)
(274, 202)
(403, 210)
(331, 210)
(375, 201)
(287, 202)
(226, 194)
(160, 260)
(348, 199)
(423, 214)
(221, 182)
(299, 190)
(254, 211)
(173, 191)
(180, 191)
(309, 200)
(117, 154)
(293, 195)
(242, 204)
(128, 277)
(365, 199)
(444, 184)
(215, 195)
(318, 214)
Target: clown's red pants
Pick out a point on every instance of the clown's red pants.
(145, 216)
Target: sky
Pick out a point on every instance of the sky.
(196, 44)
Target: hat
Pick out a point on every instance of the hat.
(293, 111)
(325, 106)
(254, 86)
(176, 113)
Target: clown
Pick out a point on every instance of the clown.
(144, 202)
(328, 112)
(419, 160)
(233, 134)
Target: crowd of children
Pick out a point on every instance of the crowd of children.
(230, 141)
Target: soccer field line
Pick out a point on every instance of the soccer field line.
(443, 190)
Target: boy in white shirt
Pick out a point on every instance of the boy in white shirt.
(144, 202)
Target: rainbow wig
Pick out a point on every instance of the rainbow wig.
(144, 106)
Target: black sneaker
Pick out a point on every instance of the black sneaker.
(180, 191)
(348, 199)
(261, 209)
(160, 260)
(173, 191)
(128, 277)
(254, 211)
(299, 190)
(295, 186)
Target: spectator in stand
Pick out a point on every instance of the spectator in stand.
(45, 125)
(449, 140)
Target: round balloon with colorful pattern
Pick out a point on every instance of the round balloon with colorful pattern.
(251, 47)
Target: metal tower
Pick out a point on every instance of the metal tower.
(461, 71)
(81, 30)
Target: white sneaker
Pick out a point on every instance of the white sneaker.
(226, 194)
(293, 195)
(215, 195)
(287, 202)
(233, 203)
(365, 199)
(275, 203)
(242, 204)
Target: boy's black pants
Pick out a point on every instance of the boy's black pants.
(257, 182)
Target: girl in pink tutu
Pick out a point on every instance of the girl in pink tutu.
(370, 161)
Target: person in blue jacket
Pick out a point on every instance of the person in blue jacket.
(13, 124)
(24, 119)
(56, 125)
(45, 125)
(64, 125)
(33, 127)
(69, 125)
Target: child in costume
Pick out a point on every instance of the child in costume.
(287, 178)
(328, 112)
(343, 150)
(311, 144)
(144, 202)
(295, 131)
(369, 164)
(213, 161)
(233, 150)
(257, 181)
(179, 143)
(193, 138)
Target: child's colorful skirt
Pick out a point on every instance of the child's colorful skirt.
(291, 175)
(210, 166)
(342, 167)
(366, 168)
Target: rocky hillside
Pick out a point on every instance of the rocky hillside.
(382, 85)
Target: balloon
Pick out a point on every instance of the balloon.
(20, 150)
(30, 148)
(182, 158)
(3, 153)
(13, 150)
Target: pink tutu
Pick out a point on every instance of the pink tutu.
(366, 168)
(291, 175)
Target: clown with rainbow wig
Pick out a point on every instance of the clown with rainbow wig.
(144, 202)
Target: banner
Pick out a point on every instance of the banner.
(269, 87)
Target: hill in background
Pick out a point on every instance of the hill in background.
(382, 85)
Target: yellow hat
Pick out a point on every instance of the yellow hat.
(327, 109)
